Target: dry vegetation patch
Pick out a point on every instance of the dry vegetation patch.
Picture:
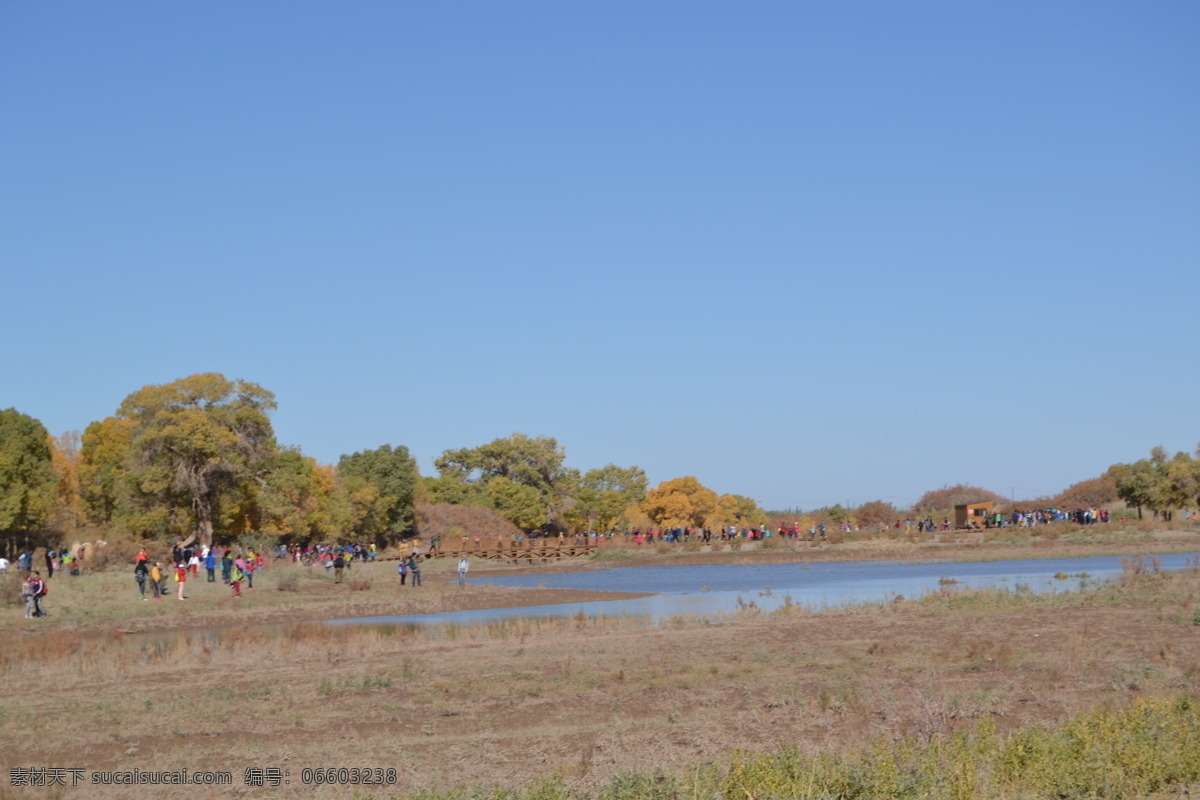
(588, 700)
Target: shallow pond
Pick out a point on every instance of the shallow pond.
(718, 589)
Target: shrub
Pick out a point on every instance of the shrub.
(10, 588)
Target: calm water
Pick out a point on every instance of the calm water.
(716, 589)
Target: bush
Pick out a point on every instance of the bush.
(360, 584)
(108, 550)
(10, 588)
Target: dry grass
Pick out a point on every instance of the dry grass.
(575, 699)
(585, 699)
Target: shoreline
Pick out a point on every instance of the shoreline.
(320, 600)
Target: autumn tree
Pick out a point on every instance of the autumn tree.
(876, 513)
(104, 458)
(287, 497)
(28, 484)
(681, 503)
(945, 499)
(743, 512)
(1092, 493)
(68, 513)
(192, 443)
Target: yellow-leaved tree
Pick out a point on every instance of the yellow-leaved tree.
(681, 503)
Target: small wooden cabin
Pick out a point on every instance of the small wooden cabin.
(969, 514)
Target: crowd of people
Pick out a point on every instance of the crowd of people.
(186, 561)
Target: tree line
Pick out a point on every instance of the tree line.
(198, 458)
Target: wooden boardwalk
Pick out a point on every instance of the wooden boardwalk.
(512, 550)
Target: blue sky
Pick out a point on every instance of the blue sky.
(808, 252)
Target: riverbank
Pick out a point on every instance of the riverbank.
(107, 602)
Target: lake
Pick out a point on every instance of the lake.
(719, 589)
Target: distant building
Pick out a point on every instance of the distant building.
(969, 515)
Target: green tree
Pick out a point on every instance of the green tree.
(393, 472)
(681, 503)
(1180, 483)
(519, 504)
(536, 462)
(1137, 484)
(604, 494)
(28, 484)
(193, 442)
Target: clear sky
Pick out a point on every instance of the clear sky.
(810, 252)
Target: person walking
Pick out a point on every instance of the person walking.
(339, 564)
(463, 567)
(235, 581)
(210, 566)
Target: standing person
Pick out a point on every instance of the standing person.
(463, 567)
(181, 577)
(339, 564)
(28, 596)
(402, 570)
(249, 569)
(235, 581)
(414, 567)
(210, 566)
(194, 564)
(140, 573)
(226, 566)
(156, 579)
(37, 588)
(49, 563)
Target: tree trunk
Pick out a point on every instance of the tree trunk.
(204, 525)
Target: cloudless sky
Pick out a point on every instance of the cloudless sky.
(810, 252)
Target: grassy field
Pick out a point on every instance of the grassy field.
(955, 695)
